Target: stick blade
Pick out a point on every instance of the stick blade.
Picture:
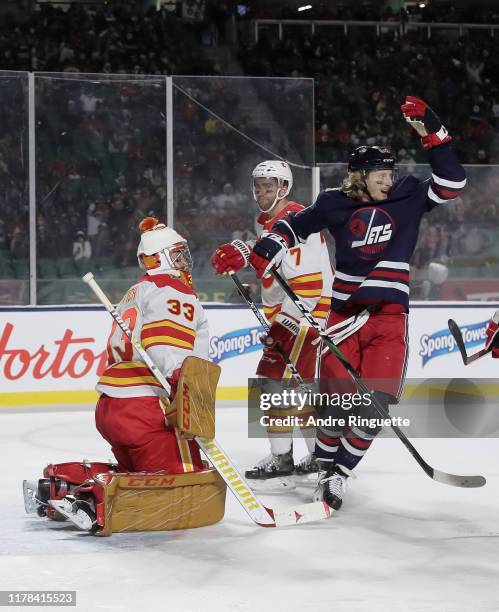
(467, 482)
(458, 337)
(304, 513)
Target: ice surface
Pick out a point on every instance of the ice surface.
(401, 541)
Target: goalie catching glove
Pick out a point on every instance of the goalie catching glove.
(268, 252)
(230, 257)
(425, 121)
(492, 335)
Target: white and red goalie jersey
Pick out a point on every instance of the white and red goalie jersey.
(308, 271)
(166, 316)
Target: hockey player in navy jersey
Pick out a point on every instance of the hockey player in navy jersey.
(374, 219)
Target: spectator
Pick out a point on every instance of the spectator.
(82, 249)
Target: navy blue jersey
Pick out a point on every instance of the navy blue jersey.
(375, 240)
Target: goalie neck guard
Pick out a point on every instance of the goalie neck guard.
(162, 250)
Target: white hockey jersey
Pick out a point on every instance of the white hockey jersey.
(168, 319)
(308, 271)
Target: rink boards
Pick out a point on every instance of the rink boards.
(53, 355)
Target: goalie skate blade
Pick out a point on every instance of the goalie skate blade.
(306, 513)
(29, 493)
(467, 482)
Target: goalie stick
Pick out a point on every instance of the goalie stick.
(458, 337)
(254, 508)
(437, 475)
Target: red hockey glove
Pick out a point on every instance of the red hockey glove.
(492, 335)
(282, 333)
(230, 257)
(426, 123)
(172, 380)
(269, 251)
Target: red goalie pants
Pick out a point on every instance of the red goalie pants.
(378, 351)
(135, 429)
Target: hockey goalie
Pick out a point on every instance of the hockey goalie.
(159, 481)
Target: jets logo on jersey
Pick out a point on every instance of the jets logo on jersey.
(371, 230)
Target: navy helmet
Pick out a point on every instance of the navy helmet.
(371, 158)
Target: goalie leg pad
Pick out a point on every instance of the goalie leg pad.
(158, 502)
(193, 408)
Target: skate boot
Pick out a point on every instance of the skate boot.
(78, 511)
(274, 470)
(307, 466)
(331, 486)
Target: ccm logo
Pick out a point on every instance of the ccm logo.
(150, 481)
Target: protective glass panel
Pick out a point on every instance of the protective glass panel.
(461, 237)
(14, 189)
(224, 127)
(101, 167)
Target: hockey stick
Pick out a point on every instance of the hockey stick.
(458, 337)
(243, 292)
(254, 508)
(437, 475)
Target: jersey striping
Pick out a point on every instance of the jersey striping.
(375, 240)
(307, 269)
(171, 324)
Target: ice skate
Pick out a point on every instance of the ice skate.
(306, 470)
(331, 487)
(78, 511)
(36, 495)
(273, 471)
(31, 501)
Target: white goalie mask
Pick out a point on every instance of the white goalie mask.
(163, 251)
(276, 169)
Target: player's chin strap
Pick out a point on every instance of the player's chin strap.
(276, 199)
(443, 477)
(364, 174)
(254, 508)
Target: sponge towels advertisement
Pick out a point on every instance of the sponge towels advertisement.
(54, 355)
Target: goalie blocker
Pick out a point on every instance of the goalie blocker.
(98, 499)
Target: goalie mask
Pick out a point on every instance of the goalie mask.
(163, 251)
(273, 169)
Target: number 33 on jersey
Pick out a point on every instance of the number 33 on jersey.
(168, 319)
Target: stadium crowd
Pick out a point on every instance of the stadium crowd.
(101, 143)
(427, 12)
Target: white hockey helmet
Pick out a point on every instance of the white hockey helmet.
(162, 250)
(273, 168)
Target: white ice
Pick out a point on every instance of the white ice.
(401, 541)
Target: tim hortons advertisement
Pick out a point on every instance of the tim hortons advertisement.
(55, 355)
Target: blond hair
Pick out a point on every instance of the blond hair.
(353, 186)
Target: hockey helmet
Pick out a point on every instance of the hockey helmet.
(162, 250)
(274, 168)
(371, 158)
